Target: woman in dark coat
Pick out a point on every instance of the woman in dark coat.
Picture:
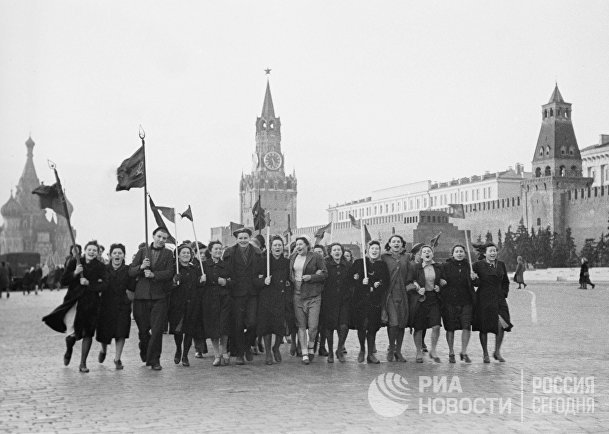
(185, 305)
(367, 301)
(85, 278)
(114, 320)
(491, 314)
(584, 275)
(217, 303)
(458, 298)
(425, 302)
(272, 301)
(396, 299)
(519, 273)
(335, 301)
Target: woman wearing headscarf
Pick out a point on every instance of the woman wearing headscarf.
(307, 272)
(425, 302)
(519, 273)
(367, 301)
(274, 289)
(185, 304)
(85, 278)
(115, 312)
(335, 300)
(217, 303)
(458, 298)
(491, 314)
(396, 300)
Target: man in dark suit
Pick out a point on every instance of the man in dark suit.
(154, 268)
(245, 262)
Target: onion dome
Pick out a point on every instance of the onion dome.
(11, 208)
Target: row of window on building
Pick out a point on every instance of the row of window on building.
(419, 203)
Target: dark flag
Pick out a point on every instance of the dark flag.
(323, 230)
(132, 171)
(367, 236)
(288, 231)
(156, 212)
(51, 197)
(356, 223)
(187, 214)
(258, 214)
(434, 241)
(456, 211)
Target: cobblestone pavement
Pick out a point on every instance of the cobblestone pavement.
(569, 340)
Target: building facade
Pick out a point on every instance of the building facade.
(25, 227)
(595, 161)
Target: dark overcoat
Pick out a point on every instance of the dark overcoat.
(336, 296)
(493, 287)
(274, 298)
(367, 300)
(114, 320)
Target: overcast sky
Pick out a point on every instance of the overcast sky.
(370, 95)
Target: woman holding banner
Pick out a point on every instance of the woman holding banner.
(307, 272)
(217, 303)
(368, 296)
(272, 301)
(491, 314)
(185, 305)
(396, 300)
(335, 301)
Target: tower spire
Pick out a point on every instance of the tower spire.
(556, 96)
(268, 111)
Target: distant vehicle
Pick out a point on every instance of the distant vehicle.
(19, 263)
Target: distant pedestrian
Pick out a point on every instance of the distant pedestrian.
(4, 280)
(77, 315)
(519, 274)
(27, 282)
(115, 311)
(584, 275)
(154, 267)
(491, 314)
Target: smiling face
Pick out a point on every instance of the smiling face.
(348, 256)
(243, 239)
(185, 256)
(117, 256)
(301, 247)
(426, 254)
(216, 251)
(395, 243)
(374, 251)
(319, 251)
(159, 239)
(91, 252)
(491, 253)
(458, 253)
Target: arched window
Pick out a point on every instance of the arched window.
(573, 170)
(571, 152)
(562, 170)
(563, 151)
(537, 175)
(548, 171)
(541, 151)
(547, 150)
(545, 114)
(551, 112)
(272, 125)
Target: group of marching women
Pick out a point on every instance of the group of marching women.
(239, 295)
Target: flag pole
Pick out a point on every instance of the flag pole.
(198, 250)
(331, 230)
(268, 247)
(469, 255)
(175, 226)
(361, 230)
(142, 135)
(64, 202)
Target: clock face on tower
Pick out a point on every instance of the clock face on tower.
(272, 160)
